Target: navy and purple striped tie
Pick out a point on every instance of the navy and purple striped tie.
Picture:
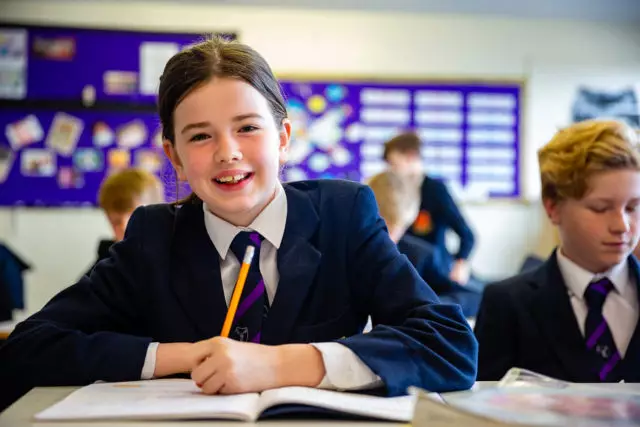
(254, 305)
(597, 333)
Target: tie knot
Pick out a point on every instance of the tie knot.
(244, 239)
(597, 292)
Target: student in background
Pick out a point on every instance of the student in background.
(576, 317)
(398, 203)
(438, 211)
(119, 195)
(324, 263)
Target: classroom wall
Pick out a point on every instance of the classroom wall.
(554, 57)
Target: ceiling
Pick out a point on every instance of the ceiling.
(622, 11)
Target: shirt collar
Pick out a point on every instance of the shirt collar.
(577, 279)
(270, 223)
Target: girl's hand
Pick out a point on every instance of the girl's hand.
(226, 366)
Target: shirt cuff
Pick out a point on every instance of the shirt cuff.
(149, 366)
(345, 370)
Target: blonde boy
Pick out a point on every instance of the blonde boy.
(398, 201)
(119, 195)
(575, 318)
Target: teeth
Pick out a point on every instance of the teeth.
(234, 178)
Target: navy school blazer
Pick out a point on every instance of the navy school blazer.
(427, 261)
(162, 283)
(442, 213)
(527, 321)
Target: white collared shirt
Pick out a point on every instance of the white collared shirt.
(620, 309)
(344, 370)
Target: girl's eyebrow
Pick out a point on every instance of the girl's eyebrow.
(241, 117)
(198, 125)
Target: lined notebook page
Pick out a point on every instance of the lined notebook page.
(394, 408)
(152, 399)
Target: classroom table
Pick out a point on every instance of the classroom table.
(21, 413)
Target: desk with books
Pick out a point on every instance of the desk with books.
(21, 413)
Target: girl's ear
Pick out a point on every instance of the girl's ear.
(285, 137)
(172, 155)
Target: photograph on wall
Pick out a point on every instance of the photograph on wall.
(64, 133)
(59, 48)
(596, 103)
(132, 134)
(24, 132)
(69, 177)
(102, 134)
(88, 160)
(36, 162)
(120, 82)
(149, 160)
(118, 159)
(13, 63)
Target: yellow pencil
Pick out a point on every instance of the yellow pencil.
(237, 291)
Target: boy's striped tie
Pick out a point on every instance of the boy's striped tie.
(597, 333)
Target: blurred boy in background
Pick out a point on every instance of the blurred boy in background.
(119, 195)
(398, 201)
(438, 211)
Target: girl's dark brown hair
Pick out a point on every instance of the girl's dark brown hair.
(215, 57)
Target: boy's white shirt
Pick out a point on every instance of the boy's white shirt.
(344, 370)
(620, 309)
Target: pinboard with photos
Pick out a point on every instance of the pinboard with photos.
(78, 104)
(470, 130)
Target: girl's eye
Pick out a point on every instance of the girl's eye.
(199, 137)
(248, 128)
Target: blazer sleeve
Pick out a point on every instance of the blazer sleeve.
(90, 331)
(416, 341)
(496, 332)
(453, 218)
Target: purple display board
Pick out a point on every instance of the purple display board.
(60, 158)
(77, 104)
(72, 64)
(470, 131)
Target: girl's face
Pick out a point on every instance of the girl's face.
(229, 148)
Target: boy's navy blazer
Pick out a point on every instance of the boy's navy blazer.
(427, 261)
(528, 322)
(443, 213)
(337, 265)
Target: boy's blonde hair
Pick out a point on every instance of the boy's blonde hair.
(579, 151)
(397, 197)
(124, 190)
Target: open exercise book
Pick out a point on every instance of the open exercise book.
(524, 398)
(181, 399)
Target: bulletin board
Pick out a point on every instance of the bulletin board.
(77, 104)
(470, 130)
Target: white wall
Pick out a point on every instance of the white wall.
(553, 56)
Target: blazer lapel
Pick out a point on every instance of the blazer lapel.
(632, 356)
(551, 307)
(196, 272)
(298, 260)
